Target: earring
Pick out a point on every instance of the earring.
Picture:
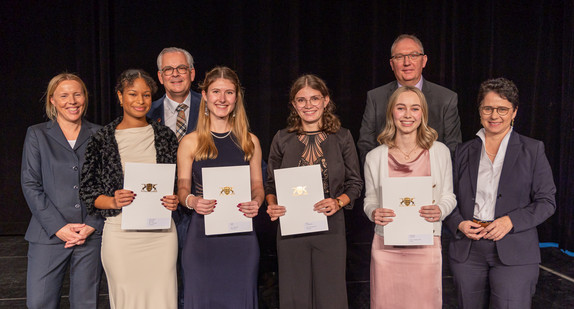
(512, 123)
(233, 115)
(206, 111)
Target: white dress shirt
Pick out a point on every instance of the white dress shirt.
(488, 179)
(170, 114)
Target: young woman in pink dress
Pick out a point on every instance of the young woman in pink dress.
(407, 276)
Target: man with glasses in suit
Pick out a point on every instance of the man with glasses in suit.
(407, 62)
(178, 110)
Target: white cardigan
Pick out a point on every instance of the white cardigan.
(377, 168)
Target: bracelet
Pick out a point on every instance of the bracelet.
(186, 203)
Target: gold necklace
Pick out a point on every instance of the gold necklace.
(407, 155)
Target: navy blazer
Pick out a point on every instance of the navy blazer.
(50, 179)
(156, 111)
(525, 193)
(442, 109)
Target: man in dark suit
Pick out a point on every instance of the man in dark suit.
(177, 109)
(176, 73)
(407, 62)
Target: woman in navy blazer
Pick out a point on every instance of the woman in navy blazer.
(504, 188)
(60, 233)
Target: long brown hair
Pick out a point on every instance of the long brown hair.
(330, 123)
(237, 119)
(425, 134)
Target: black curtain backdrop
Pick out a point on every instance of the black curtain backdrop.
(270, 43)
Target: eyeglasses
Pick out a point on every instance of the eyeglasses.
(314, 100)
(501, 110)
(412, 56)
(168, 71)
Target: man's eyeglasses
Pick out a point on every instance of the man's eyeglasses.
(412, 56)
(168, 71)
(501, 110)
(314, 100)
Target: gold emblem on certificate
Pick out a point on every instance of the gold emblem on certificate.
(149, 187)
(299, 190)
(226, 191)
(407, 201)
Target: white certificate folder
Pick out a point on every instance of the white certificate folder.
(150, 183)
(406, 195)
(229, 186)
(299, 189)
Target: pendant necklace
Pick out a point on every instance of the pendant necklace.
(407, 155)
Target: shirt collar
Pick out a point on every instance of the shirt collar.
(172, 105)
(419, 85)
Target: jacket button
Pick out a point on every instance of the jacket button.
(76, 187)
(77, 205)
(75, 168)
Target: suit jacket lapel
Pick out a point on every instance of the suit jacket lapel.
(475, 151)
(508, 172)
(84, 135)
(55, 132)
(392, 89)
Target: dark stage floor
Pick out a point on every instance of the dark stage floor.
(555, 287)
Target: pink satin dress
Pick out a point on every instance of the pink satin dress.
(406, 276)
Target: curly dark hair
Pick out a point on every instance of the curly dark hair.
(505, 88)
(128, 77)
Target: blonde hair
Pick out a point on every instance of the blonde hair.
(51, 111)
(239, 124)
(425, 134)
(330, 123)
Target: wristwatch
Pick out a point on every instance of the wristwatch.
(340, 203)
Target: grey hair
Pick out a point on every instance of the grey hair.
(407, 36)
(166, 50)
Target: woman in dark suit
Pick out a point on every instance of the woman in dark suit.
(504, 188)
(60, 233)
(312, 266)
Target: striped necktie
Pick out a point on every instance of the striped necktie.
(180, 127)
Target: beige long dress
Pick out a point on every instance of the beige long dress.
(140, 265)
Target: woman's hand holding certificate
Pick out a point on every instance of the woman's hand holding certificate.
(249, 209)
(201, 205)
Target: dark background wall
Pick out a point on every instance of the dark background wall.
(270, 43)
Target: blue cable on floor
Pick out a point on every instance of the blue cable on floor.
(555, 245)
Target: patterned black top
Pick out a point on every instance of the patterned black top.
(313, 154)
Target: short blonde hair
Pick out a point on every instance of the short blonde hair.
(425, 134)
(51, 111)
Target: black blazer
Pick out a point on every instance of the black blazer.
(339, 151)
(525, 193)
(50, 179)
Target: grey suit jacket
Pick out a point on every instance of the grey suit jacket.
(443, 115)
(525, 193)
(50, 179)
